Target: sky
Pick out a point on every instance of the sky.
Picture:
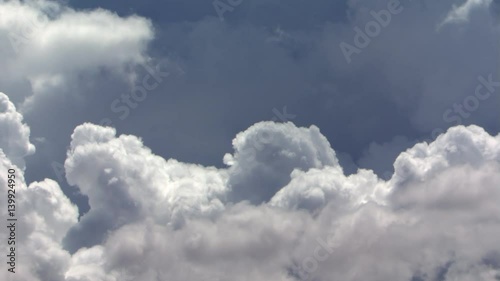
(251, 140)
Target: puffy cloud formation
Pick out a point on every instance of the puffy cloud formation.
(471, 146)
(50, 40)
(49, 50)
(267, 153)
(74, 63)
(55, 57)
(318, 187)
(437, 218)
(125, 182)
(14, 140)
(283, 209)
(44, 214)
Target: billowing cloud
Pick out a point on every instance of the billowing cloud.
(43, 213)
(316, 188)
(267, 153)
(50, 40)
(125, 182)
(283, 207)
(53, 56)
(14, 140)
(49, 44)
(437, 218)
(417, 77)
(425, 223)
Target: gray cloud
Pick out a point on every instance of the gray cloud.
(15, 135)
(267, 153)
(422, 223)
(283, 207)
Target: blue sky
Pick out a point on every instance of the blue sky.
(236, 72)
(237, 109)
